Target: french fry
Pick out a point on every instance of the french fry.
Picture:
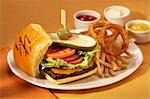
(123, 59)
(98, 58)
(97, 55)
(102, 67)
(119, 63)
(115, 67)
(108, 58)
(99, 70)
(106, 72)
(129, 55)
(105, 63)
(103, 59)
(112, 72)
(124, 66)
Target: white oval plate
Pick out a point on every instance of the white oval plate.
(86, 83)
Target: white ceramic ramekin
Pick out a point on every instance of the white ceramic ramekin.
(140, 36)
(112, 18)
(78, 24)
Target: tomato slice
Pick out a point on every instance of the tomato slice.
(49, 51)
(79, 60)
(71, 58)
(62, 53)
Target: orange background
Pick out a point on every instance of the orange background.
(16, 14)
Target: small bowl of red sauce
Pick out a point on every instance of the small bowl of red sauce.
(83, 18)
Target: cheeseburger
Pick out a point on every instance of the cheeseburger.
(61, 57)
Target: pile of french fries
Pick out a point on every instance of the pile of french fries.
(109, 65)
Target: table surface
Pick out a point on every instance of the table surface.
(15, 14)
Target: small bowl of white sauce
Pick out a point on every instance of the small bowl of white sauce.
(117, 14)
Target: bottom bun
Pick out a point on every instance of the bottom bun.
(69, 79)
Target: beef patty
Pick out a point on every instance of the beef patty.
(56, 76)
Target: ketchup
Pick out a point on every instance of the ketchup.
(86, 17)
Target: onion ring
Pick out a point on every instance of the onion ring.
(95, 27)
(112, 37)
(108, 42)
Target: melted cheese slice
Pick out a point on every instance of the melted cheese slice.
(63, 71)
(68, 71)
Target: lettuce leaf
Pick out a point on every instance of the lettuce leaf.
(88, 56)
